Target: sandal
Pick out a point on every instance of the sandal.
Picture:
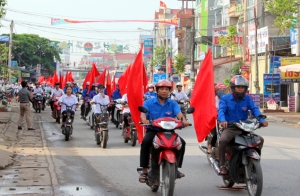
(143, 177)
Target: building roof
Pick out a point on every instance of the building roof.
(125, 56)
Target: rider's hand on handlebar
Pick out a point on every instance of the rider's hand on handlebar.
(265, 124)
(224, 124)
(145, 121)
(186, 123)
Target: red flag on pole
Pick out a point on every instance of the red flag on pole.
(65, 80)
(123, 80)
(135, 92)
(205, 113)
(145, 80)
(61, 80)
(55, 78)
(86, 79)
(93, 75)
(162, 4)
(101, 79)
(113, 84)
(20, 80)
(41, 79)
(71, 79)
(108, 85)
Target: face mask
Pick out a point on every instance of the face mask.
(151, 90)
(101, 90)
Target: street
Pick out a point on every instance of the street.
(84, 168)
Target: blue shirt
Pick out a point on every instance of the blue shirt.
(150, 95)
(75, 90)
(169, 109)
(233, 110)
(116, 94)
(92, 94)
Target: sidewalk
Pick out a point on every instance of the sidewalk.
(25, 157)
(283, 117)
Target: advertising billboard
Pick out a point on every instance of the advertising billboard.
(272, 87)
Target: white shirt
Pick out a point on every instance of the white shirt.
(68, 101)
(126, 109)
(217, 102)
(179, 96)
(103, 101)
(37, 90)
(57, 93)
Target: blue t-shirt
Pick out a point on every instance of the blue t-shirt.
(169, 109)
(232, 110)
(116, 94)
(92, 94)
(150, 95)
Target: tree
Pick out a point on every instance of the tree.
(179, 64)
(236, 68)
(228, 42)
(285, 11)
(159, 56)
(3, 52)
(31, 49)
(2, 10)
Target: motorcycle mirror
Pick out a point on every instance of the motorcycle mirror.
(262, 117)
(190, 110)
(142, 109)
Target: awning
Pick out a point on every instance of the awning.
(295, 68)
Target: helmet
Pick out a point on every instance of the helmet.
(37, 83)
(93, 85)
(150, 86)
(87, 83)
(178, 84)
(220, 89)
(163, 83)
(100, 86)
(238, 80)
(56, 83)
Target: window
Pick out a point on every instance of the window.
(250, 3)
(250, 13)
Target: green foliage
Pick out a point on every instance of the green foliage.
(3, 52)
(159, 56)
(227, 81)
(32, 49)
(236, 68)
(228, 40)
(179, 64)
(285, 11)
(2, 10)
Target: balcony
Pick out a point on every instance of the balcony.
(236, 10)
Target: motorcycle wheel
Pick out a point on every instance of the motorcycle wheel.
(255, 182)
(133, 138)
(97, 136)
(40, 106)
(125, 139)
(154, 188)
(169, 171)
(67, 133)
(104, 139)
(58, 116)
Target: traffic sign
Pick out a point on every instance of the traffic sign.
(157, 77)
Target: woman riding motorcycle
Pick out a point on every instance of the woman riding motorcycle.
(150, 94)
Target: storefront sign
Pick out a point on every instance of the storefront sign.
(290, 76)
(272, 87)
(25, 75)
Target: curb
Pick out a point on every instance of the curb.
(48, 155)
(282, 120)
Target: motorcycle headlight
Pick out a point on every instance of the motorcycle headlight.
(168, 125)
(69, 120)
(246, 126)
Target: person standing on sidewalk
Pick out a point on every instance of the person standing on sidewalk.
(24, 97)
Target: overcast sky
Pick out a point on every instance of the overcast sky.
(34, 16)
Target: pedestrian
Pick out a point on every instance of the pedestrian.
(24, 97)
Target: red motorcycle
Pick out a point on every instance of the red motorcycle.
(56, 110)
(163, 157)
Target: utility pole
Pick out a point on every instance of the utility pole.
(9, 50)
(256, 83)
(245, 30)
(167, 54)
(192, 74)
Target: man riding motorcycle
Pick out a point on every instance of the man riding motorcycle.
(38, 89)
(116, 95)
(150, 94)
(233, 108)
(159, 107)
(85, 97)
(55, 93)
(100, 98)
(178, 94)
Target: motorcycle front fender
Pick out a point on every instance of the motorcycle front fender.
(168, 155)
(250, 153)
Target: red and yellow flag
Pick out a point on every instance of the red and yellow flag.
(162, 4)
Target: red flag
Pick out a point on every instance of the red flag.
(108, 85)
(70, 77)
(205, 113)
(101, 79)
(55, 78)
(61, 80)
(65, 80)
(135, 92)
(162, 4)
(20, 80)
(86, 79)
(93, 75)
(123, 80)
(41, 79)
(113, 84)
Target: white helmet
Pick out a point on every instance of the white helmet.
(150, 86)
(178, 84)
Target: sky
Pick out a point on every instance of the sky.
(34, 16)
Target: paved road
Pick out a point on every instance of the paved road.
(83, 168)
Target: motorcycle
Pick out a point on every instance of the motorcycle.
(101, 125)
(90, 118)
(130, 133)
(242, 157)
(119, 113)
(38, 102)
(68, 128)
(183, 107)
(56, 110)
(162, 165)
(48, 98)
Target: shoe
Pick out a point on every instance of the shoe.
(31, 129)
(223, 170)
(81, 117)
(209, 149)
(180, 175)
(19, 128)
